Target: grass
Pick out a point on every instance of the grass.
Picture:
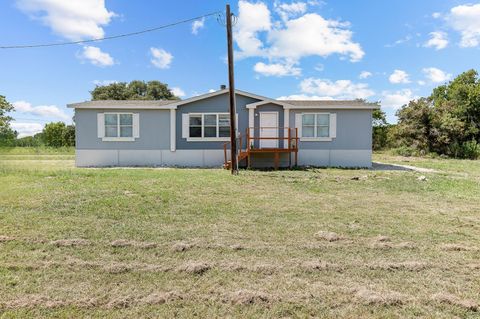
(201, 243)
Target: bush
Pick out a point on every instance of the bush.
(470, 150)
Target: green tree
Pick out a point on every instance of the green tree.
(379, 130)
(69, 135)
(135, 90)
(415, 124)
(7, 134)
(53, 134)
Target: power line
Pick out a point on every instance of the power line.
(25, 46)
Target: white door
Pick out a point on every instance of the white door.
(268, 128)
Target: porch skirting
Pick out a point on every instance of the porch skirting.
(215, 158)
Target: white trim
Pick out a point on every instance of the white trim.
(136, 125)
(219, 92)
(173, 130)
(331, 107)
(208, 139)
(333, 125)
(100, 125)
(122, 107)
(267, 101)
(118, 139)
(316, 139)
(286, 125)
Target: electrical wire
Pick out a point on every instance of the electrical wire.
(25, 46)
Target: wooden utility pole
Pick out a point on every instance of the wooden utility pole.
(231, 86)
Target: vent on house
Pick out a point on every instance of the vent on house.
(223, 87)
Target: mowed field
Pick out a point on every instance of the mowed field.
(200, 243)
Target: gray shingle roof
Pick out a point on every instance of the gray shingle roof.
(326, 103)
(133, 103)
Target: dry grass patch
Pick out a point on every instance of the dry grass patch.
(196, 268)
(318, 265)
(179, 247)
(248, 297)
(455, 301)
(159, 298)
(328, 236)
(6, 238)
(371, 297)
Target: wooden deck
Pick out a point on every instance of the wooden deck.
(250, 150)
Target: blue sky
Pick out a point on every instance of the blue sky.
(391, 51)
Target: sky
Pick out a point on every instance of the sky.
(388, 51)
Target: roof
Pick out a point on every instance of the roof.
(172, 104)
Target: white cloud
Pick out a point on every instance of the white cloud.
(304, 97)
(287, 10)
(46, 111)
(466, 20)
(399, 76)
(399, 41)
(178, 91)
(365, 75)
(74, 20)
(96, 56)
(344, 89)
(277, 69)
(197, 25)
(26, 129)
(436, 75)
(396, 100)
(436, 15)
(421, 82)
(161, 58)
(291, 39)
(438, 40)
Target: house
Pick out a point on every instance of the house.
(195, 132)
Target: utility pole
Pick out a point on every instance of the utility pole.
(231, 86)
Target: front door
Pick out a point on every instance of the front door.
(268, 128)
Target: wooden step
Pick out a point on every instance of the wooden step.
(227, 165)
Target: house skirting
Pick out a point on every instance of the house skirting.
(215, 158)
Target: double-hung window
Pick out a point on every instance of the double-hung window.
(316, 125)
(208, 126)
(118, 125)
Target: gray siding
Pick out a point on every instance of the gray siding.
(354, 130)
(219, 104)
(154, 131)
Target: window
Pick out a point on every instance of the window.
(316, 125)
(209, 126)
(118, 125)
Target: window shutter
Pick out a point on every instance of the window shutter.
(236, 123)
(101, 125)
(185, 125)
(333, 125)
(298, 123)
(136, 125)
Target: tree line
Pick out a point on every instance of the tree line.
(446, 123)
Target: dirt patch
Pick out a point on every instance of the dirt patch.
(234, 267)
(119, 243)
(456, 247)
(248, 297)
(32, 301)
(328, 236)
(407, 265)
(5, 239)
(266, 269)
(196, 268)
(179, 247)
(70, 242)
(370, 297)
(455, 301)
(117, 269)
(121, 302)
(237, 247)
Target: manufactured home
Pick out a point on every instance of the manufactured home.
(195, 132)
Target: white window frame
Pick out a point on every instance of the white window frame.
(118, 138)
(317, 138)
(207, 139)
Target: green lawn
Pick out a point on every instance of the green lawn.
(200, 243)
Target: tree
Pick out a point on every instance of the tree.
(53, 134)
(69, 135)
(414, 124)
(7, 134)
(379, 130)
(135, 90)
